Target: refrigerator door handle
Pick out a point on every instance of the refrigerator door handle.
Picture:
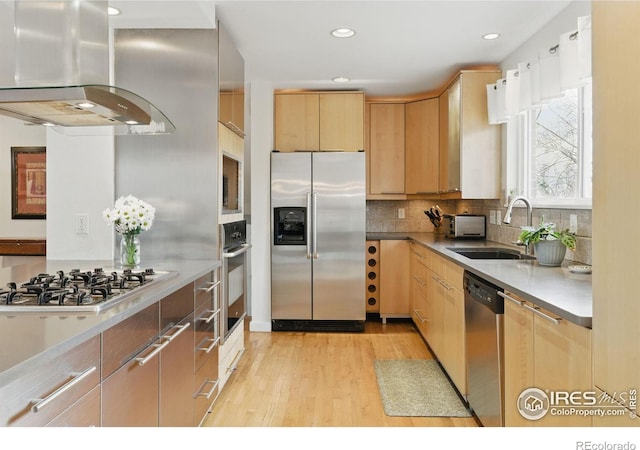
(314, 225)
(308, 223)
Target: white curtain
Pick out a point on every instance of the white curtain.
(566, 65)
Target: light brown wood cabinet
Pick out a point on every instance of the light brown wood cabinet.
(394, 279)
(546, 352)
(312, 121)
(372, 269)
(437, 309)
(386, 148)
(616, 135)
(470, 157)
(422, 147)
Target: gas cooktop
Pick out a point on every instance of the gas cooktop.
(78, 290)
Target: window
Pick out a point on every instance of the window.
(555, 145)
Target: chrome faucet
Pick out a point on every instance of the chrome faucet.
(507, 215)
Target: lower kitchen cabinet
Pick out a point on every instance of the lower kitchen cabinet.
(206, 380)
(148, 373)
(438, 310)
(230, 353)
(131, 364)
(59, 388)
(394, 279)
(177, 359)
(544, 352)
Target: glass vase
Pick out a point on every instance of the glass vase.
(129, 250)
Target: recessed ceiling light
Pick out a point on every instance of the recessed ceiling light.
(491, 36)
(131, 122)
(343, 33)
(341, 80)
(86, 105)
(48, 124)
(113, 11)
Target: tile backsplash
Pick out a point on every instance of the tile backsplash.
(384, 216)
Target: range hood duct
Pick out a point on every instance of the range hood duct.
(62, 72)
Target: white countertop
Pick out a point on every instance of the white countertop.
(556, 289)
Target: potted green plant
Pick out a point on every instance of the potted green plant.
(550, 245)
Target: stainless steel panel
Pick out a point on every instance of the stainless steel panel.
(290, 267)
(484, 333)
(339, 249)
(61, 43)
(175, 173)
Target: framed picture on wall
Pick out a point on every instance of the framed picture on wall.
(28, 183)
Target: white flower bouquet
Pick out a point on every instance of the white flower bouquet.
(129, 217)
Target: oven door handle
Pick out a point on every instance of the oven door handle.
(243, 248)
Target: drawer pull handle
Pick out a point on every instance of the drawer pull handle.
(419, 280)
(157, 347)
(181, 329)
(40, 403)
(212, 286)
(211, 317)
(508, 297)
(537, 311)
(211, 391)
(214, 342)
(417, 313)
(235, 361)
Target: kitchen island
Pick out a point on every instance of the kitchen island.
(39, 339)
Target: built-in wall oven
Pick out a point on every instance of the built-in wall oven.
(233, 237)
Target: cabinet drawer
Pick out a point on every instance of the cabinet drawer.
(43, 394)
(123, 341)
(207, 335)
(176, 306)
(83, 413)
(207, 385)
(207, 291)
(130, 395)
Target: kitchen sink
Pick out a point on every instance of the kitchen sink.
(489, 253)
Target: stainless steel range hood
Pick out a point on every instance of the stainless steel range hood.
(62, 72)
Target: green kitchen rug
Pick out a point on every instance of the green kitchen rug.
(417, 388)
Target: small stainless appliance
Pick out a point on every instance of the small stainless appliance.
(484, 316)
(234, 267)
(318, 241)
(466, 226)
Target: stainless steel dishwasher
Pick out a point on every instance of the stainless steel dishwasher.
(484, 313)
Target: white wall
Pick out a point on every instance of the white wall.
(261, 145)
(80, 180)
(13, 133)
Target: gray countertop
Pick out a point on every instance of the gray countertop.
(556, 289)
(29, 337)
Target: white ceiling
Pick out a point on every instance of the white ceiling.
(400, 47)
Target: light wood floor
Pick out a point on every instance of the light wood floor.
(299, 379)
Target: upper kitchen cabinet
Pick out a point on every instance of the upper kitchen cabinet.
(319, 121)
(469, 146)
(422, 147)
(231, 89)
(386, 148)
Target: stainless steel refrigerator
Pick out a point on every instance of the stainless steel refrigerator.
(318, 221)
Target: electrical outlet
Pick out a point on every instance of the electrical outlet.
(573, 223)
(82, 223)
(492, 217)
(498, 217)
(400, 213)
